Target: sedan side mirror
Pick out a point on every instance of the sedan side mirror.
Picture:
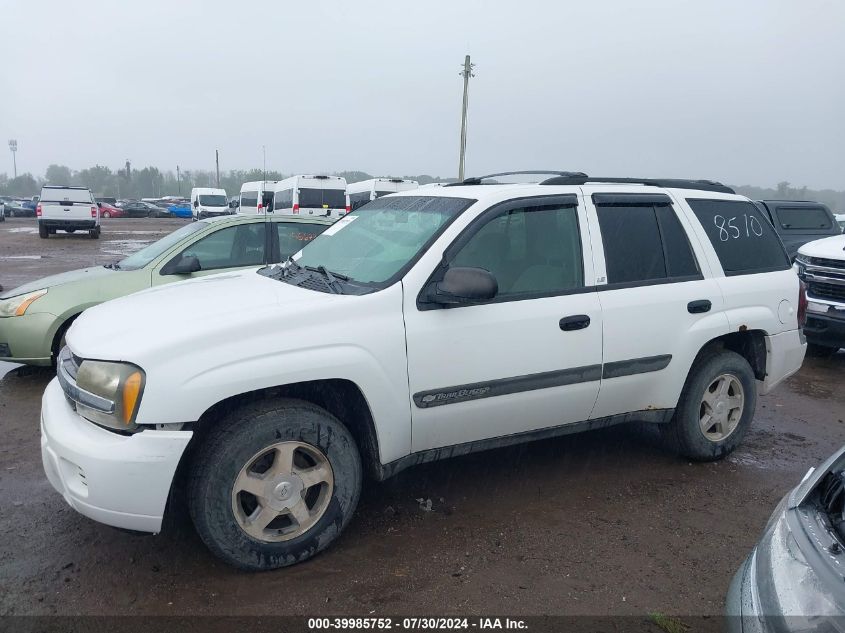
(185, 265)
(463, 286)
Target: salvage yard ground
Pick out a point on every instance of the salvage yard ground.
(598, 523)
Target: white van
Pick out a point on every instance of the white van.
(311, 195)
(367, 190)
(256, 197)
(208, 202)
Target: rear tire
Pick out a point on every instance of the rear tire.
(43, 232)
(94, 233)
(715, 408)
(265, 447)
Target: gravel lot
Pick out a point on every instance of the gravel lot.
(598, 523)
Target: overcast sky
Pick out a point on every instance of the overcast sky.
(748, 92)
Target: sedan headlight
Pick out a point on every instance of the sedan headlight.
(17, 306)
(117, 388)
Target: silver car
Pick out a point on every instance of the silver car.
(794, 578)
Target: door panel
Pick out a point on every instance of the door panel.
(519, 362)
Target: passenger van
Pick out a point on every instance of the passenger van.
(311, 195)
(256, 197)
(207, 202)
(367, 190)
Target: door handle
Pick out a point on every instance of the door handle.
(575, 322)
(699, 307)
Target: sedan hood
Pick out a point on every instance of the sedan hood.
(829, 248)
(85, 274)
(186, 314)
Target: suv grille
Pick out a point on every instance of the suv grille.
(827, 263)
(832, 497)
(832, 292)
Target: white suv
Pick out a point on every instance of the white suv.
(417, 328)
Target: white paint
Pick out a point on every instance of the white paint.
(5, 367)
(24, 229)
(21, 257)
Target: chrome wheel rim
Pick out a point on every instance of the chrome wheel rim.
(282, 491)
(721, 407)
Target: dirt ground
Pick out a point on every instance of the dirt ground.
(599, 523)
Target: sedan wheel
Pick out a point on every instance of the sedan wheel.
(106, 214)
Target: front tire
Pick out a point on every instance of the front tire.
(715, 409)
(273, 484)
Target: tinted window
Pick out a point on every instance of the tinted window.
(680, 261)
(322, 198)
(213, 201)
(233, 246)
(358, 199)
(633, 250)
(283, 199)
(743, 238)
(803, 218)
(249, 198)
(293, 236)
(529, 250)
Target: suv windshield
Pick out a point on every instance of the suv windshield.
(148, 254)
(214, 201)
(379, 241)
(322, 198)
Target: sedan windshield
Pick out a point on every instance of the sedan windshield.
(149, 253)
(214, 201)
(377, 243)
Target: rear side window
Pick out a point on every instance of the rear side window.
(742, 237)
(796, 218)
(249, 198)
(643, 240)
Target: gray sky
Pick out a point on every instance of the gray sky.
(748, 92)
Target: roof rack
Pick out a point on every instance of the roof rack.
(674, 183)
(580, 178)
(478, 179)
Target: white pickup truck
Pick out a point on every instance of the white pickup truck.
(419, 327)
(67, 209)
(821, 265)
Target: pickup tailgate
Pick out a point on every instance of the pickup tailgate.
(68, 204)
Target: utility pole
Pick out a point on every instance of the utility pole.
(217, 164)
(178, 180)
(13, 145)
(466, 73)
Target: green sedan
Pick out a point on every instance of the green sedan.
(34, 317)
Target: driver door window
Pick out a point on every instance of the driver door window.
(231, 247)
(531, 251)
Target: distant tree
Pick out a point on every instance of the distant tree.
(354, 176)
(100, 180)
(58, 175)
(23, 185)
(783, 190)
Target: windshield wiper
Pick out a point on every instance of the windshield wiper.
(331, 278)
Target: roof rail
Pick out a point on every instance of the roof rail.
(478, 179)
(675, 183)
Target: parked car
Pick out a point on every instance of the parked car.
(31, 204)
(67, 209)
(793, 579)
(208, 202)
(840, 220)
(417, 328)
(181, 210)
(798, 222)
(310, 195)
(107, 200)
(2, 211)
(364, 191)
(35, 316)
(821, 265)
(110, 211)
(15, 208)
(141, 209)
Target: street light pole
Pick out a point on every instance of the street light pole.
(13, 145)
(466, 73)
(178, 180)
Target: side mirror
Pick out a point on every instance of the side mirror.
(463, 286)
(196, 203)
(185, 265)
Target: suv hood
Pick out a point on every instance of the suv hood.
(829, 248)
(85, 274)
(185, 314)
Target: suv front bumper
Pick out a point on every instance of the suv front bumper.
(119, 480)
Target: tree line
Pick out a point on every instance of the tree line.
(150, 182)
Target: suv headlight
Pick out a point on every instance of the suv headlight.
(16, 306)
(121, 384)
